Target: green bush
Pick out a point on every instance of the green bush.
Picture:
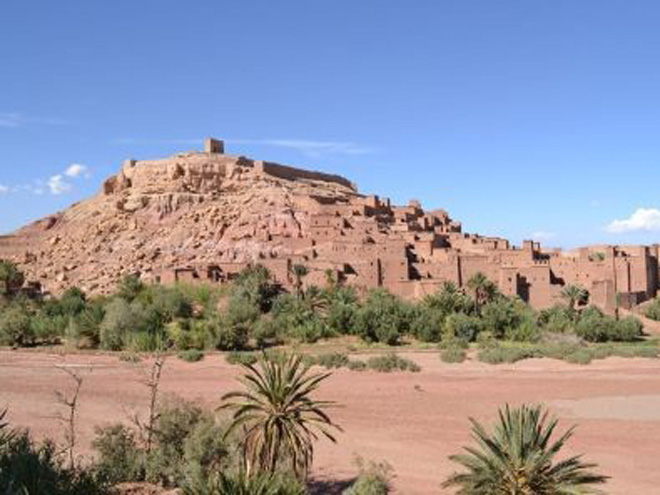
(121, 319)
(241, 484)
(241, 358)
(83, 330)
(428, 323)
(15, 327)
(36, 469)
(652, 311)
(463, 327)
(267, 332)
(392, 362)
(596, 327)
(508, 354)
(382, 318)
(333, 360)
(374, 479)
(119, 457)
(557, 319)
(454, 354)
(191, 355)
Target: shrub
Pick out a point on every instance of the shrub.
(254, 287)
(356, 365)
(428, 323)
(36, 469)
(119, 458)
(234, 327)
(392, 362)
(130, 287)
(383, 318)
(463, 327)
(310, 331)
(259, 484)
(267, 331)
(11, 278)
(119, 321)
(188, 446)
(241, 358)
(83, 330)
(191, 355)
(332, 360)
(341, 317)
(652, 311)
(627, 329)
(15, 328)
(507, 354)
(374, 479)
(454, 354)
(557, 319)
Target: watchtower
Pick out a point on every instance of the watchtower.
(212, 145)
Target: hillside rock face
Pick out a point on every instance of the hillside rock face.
(190, 209)
(203, 217)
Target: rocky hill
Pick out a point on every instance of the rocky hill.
(190, 209)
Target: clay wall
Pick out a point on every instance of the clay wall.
(292, 173)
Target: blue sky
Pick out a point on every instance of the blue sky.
(521, 117)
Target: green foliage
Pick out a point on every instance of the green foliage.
(342, 309)
(83, 329)
(35, 469)
(518, 456)
(259, 484)
(277, 416)
(652, 311)
(392, 362)
(119, 458)
(130, 287)
(453, 354)
(382, 318)
(574, 295)
(11, 278)
(557, 319)
(191, 355)
(190, 447)
(593, 326)
(374, 479)
(15, 326)
(242, 358)
(428, 323)
(484, 290)
(236, 324)
(463, 327)
(253, 285)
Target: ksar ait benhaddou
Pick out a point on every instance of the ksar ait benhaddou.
(204, 216)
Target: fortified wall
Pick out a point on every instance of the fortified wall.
(367, 242)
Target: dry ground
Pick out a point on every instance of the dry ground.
(414, 421)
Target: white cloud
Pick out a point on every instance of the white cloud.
(3, 189)
(643, 219)
(76, 170)
(10, 119)
(319, 148)
(542, 235)
(58, 185)
(16, 119)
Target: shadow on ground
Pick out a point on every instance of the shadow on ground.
(329, 487)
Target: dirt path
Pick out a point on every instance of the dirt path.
(414, 421)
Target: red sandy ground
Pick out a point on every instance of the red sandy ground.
(413, 421)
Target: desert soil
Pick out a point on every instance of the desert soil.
(413, 421)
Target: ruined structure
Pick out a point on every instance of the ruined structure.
(204, 216)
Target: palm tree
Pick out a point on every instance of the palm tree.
(279, 419)
(517, 458)
(574, 294)
(484, 290)
(299, 272)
